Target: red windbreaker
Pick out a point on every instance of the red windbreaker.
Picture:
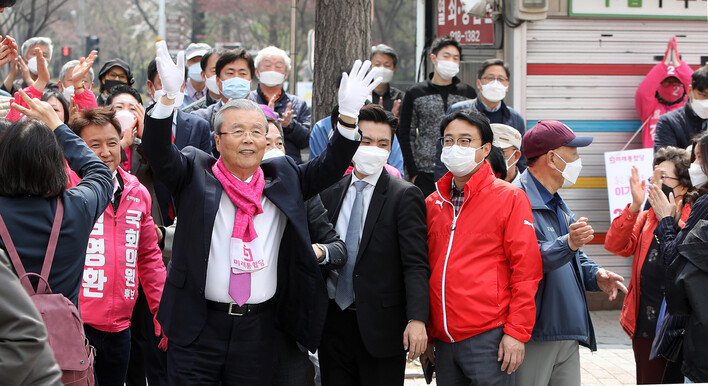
(632, 234)
(485, 260)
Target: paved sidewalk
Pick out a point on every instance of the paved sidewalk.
(612, 364)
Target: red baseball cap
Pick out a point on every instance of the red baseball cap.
(548, 135)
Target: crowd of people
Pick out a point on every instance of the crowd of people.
(200, 247)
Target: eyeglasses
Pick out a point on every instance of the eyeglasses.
(491, 78)
(240, 133)
(117, 76)
(448, 141)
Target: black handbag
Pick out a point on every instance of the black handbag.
(669, 339)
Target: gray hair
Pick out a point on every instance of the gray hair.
(33, 42)
(269, 51)
(385, 50)
(69, 65)
(238, 104)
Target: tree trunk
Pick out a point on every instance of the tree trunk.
(342, 35)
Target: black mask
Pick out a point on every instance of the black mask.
(667, 190)
(108, 84)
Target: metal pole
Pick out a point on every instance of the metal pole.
(162, 21)
(293, 54)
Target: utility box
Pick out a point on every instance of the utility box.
(528, 9)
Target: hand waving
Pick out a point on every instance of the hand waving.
(80, 70)
(171, 74)
(356, 87)
(41, 111)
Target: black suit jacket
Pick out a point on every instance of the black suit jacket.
(190, 130)
(392, 269)
(301, 297)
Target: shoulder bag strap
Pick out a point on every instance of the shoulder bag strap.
(51, 247)
(16, 262)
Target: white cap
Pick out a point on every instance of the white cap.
(196, 49)
(506, 136)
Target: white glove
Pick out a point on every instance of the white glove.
(356, 87)
(171, 74)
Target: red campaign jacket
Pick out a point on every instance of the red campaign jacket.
(485, 262)
(632, 234)
(648, 107)
(122, 252)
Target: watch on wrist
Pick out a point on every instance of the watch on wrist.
(324, 252)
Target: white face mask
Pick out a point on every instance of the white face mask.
(513, 163)
(386, 74)
(271, 78)
(447, 69)
(125, 118)
(212, 86)
(369, 160)
(195, 72)
(460, 161)
(571, 172)
(68, 93)
(494, 91)
(700, 107)
(273, 153)
(32, 65)
(698, 178)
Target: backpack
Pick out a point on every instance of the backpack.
(64, 326)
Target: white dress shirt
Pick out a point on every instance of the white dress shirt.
(269, 226)
(343, 218)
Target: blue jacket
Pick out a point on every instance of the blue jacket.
(510, 116)
(561, 309)
(297, 135)
(319, 138)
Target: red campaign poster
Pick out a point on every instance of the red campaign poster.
(467, 29)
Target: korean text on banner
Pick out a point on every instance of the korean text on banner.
(618, 169)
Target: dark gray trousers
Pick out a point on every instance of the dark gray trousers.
(471, 362)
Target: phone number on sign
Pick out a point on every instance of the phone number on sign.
(471, 36)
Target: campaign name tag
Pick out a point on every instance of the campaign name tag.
(246, 256)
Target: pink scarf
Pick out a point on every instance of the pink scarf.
(246, 197)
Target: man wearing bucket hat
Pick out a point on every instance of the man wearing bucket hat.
(508, 139)
(562, 317)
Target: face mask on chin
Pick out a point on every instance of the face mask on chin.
(370, 160)
(460, 161)
(571, 172)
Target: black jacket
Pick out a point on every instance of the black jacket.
(687, 296)
(301, 297)
(678, 127)
(392, 269)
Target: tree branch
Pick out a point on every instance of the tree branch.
(145, 17)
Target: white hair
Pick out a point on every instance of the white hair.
(69, 65)
(272, 50)
(238, 104)
(33, 42)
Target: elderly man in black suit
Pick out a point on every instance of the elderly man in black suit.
(242, 259)
(379, 299)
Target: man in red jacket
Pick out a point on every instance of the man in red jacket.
(485, 262)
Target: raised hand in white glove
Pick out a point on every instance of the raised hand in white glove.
(171, 74)
(356, 87)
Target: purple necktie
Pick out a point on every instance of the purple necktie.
(240, 287)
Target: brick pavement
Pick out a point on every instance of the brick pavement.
(612, 364)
